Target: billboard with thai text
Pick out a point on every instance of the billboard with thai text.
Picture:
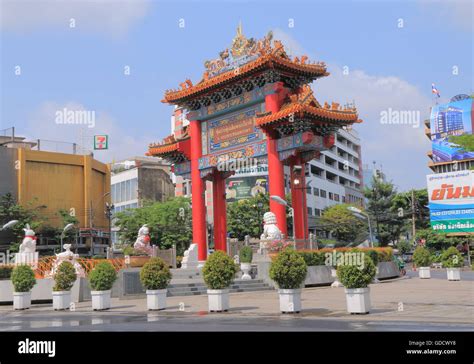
(451, 201)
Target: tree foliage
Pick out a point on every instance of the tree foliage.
(388, 225)
(343, 224)
(169, 223)
(436, 241)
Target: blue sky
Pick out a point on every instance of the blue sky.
(389, 67)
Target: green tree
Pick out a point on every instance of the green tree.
(403, 206)
(245, 217)
(436, 241)
(388, 225)
(343, 224)
(169, 223)
(28, 214)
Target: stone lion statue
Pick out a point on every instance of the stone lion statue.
(143, 240)
(270, 229)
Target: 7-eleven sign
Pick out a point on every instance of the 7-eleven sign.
(101, 142)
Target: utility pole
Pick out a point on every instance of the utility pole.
(413, 213)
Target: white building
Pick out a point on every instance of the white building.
(335, 177)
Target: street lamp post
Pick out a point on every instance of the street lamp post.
(281, 201)
(9, 224)
(359, 213)
(66, 228)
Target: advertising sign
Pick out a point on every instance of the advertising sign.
(452, 119)
(247, 183)
(451, 201)
(101, 142)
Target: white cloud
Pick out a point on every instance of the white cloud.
(113, 17)
(401, 149)
(42, 125)
(458, 13)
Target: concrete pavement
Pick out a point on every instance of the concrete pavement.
(401, 305)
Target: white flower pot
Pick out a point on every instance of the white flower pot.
(100, 300)
(454, 274)
(156, 299)
(21, 300)
(245, 267)
(358, 300)
(424, 272)
(61, 300)
(218, 300)
(290, 300)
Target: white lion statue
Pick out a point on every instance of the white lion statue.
(28, 245)
(270, 229)
(143, 240)
(271, 232)
(68, 256)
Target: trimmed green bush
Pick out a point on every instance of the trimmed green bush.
(219, 270)
(374, 255)
(65, 277)
(6, 271)
(452, 258)
(246, 254)
(155, 274)
(422, 257)
(354, 276)
(102, 277)
(313, 258)
(23, 278)
(289, 269)
(129, 250)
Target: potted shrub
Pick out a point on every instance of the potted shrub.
(453, 261)
(101, 280)
(64, 280)
(155, 277)
(245, 258)
(218, 272)
(356, 280)
(23, 280)
(288, 270)
(422, 259)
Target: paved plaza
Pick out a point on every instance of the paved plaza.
(405, 304)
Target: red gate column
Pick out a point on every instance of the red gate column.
(298, 200)
(220, 216)
(197, 191)
(275, 167)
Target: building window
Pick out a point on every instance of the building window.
(310, 211)
(331, 196)
(316, 191)
(317, 212)
(336, 197)
(323, 193)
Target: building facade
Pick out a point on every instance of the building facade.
(76, 184)
(335, 177)
(137, 179)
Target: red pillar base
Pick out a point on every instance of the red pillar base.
(220, 214)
